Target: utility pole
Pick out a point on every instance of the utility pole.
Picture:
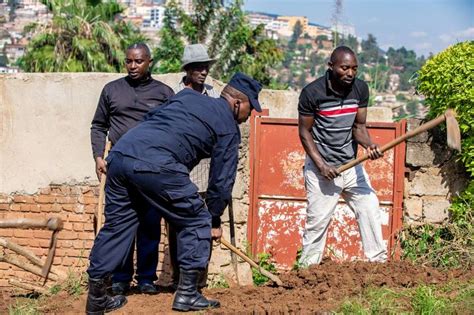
(336, 15)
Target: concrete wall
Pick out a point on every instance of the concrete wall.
(46, 167)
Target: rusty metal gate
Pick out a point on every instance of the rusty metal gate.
(278, 198)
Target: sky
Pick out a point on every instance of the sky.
(421, 25)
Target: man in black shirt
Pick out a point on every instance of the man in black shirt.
(332, 123)
(122, 105)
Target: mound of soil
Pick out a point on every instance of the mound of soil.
(315, 290)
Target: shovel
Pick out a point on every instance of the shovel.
(453, 137)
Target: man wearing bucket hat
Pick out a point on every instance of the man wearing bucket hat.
(196, 63)
(148, 171)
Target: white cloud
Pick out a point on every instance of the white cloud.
(423, 45)
(418, 34)
(461, 35)
(467, 33)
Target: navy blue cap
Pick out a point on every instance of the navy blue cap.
(249, 87)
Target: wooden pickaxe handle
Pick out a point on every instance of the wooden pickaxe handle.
(100, 203)
(252, 263)
(427, 126)
(52, 224)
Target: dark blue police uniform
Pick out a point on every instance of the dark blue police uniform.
(148, 178)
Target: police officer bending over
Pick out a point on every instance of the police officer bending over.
(148, 170)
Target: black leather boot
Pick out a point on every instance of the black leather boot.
(98, 302)
(187, 298)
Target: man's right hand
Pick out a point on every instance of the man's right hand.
(100, 167)
(328, 171)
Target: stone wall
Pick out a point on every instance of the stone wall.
(432, 178)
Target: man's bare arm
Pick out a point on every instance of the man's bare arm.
(361, 135)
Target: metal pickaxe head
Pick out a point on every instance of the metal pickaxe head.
(54, 224)
(452, 130)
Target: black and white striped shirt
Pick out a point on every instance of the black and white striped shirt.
(334, 116)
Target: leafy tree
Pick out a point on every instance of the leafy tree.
(297, 31)
(230, 38)
(349, 41)
(168, 54)
(370, 50)
(446, 81)
(405, 63)
(82, 36)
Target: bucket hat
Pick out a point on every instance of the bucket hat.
(195, 53)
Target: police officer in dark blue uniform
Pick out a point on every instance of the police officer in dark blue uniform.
(148, 171)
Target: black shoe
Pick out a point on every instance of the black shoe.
(98, 302)
(120, 288)
(187, 298)
(147, 288)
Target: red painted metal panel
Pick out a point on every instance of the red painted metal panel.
(278, 199)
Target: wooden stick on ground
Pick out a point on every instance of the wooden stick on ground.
(20, 250)
(28, 286)
(26, 266)
(252, 263)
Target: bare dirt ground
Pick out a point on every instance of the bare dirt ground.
(318, 289)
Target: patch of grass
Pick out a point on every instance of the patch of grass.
(450, 298)
(75, 283)
(264, 261)
(219, 281)
(24, 306)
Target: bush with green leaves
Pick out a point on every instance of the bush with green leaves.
(265, 262)
(446, 80)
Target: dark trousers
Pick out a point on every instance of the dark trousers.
(147, 242)
(133, 189)
(173, 251)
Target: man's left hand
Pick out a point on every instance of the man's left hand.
(216, 233)
(373, 151)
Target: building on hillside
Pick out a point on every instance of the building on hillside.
(315, 30)
(14, 51)
(6, 69)
(289, 23)
(256, 18)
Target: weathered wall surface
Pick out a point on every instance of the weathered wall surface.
(433, 177)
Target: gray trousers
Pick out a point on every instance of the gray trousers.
(354, 187)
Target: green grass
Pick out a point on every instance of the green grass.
(74, 285)
(218, 282)
(24, 306)
(450, 298)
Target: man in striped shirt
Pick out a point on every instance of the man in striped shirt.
(332, 123)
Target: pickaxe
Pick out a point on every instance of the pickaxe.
(53, 224)
(453, 137)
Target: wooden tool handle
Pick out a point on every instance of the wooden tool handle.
(391, 144)
(100, 203)
(52, 224)
(252, 263)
